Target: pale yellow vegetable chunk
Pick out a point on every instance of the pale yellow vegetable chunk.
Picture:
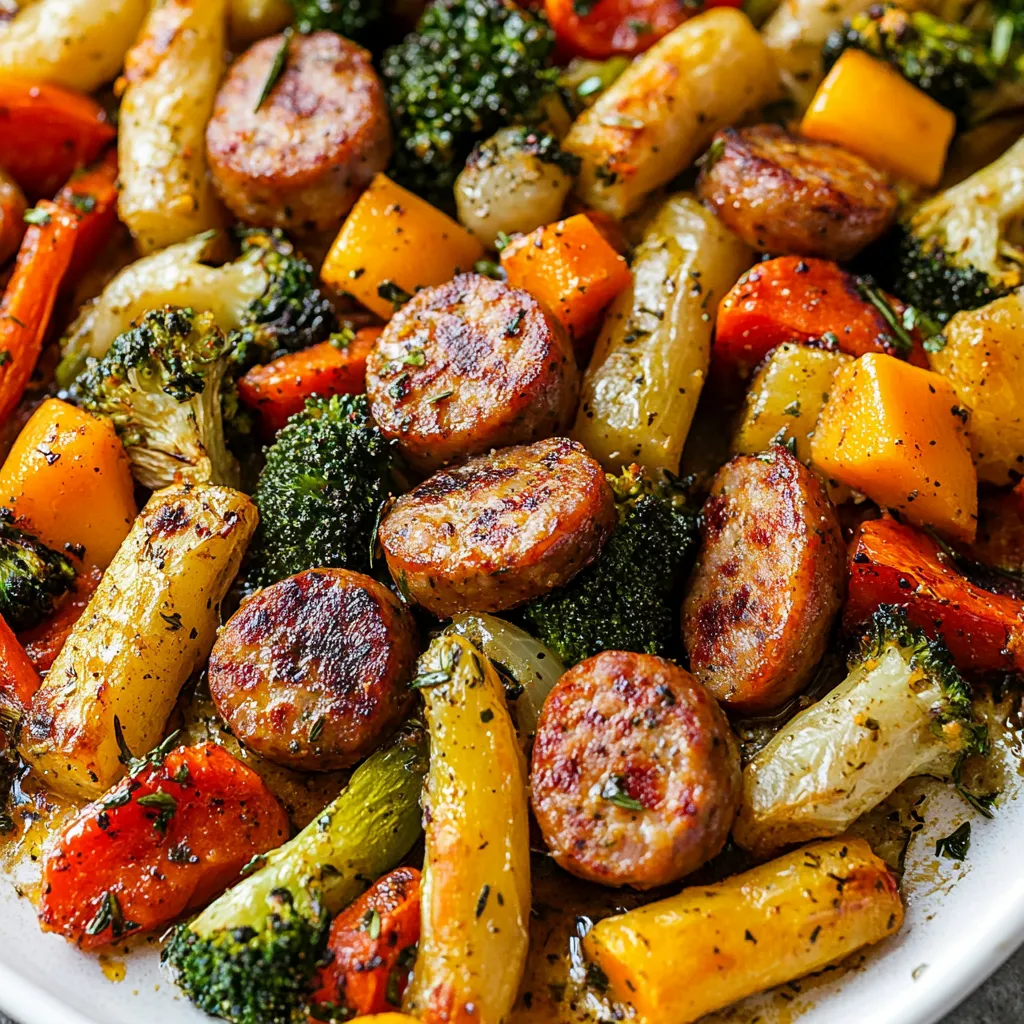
(476, 875)
(172, 74)
(682, 957)
(79, 44)
(663, 110)
(253, 19)
(783, 403)
(984, 361)
(151, 621)
(651, 359)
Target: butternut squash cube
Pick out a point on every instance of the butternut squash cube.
(898, 434)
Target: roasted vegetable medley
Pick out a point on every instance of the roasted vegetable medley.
(471, 461)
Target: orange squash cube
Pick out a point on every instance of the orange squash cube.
(897, 433)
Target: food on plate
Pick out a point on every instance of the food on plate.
(313, 670)
(150, 622)
(499, 530)
(768, 582)
(299, 156)
(902, 710)
(480, 478)
(468, 366)
(636, 774)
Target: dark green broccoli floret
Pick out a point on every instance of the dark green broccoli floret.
(960, 249)
(470, 67)
(328, 474)
(354, 19)
(250, 956)
(950, 62)
(32, 576)
(160, 384)
(627, 599)
(291, 314)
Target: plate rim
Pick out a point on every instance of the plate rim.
(28, 1003)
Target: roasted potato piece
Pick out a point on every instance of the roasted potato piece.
(250, 20)
(476, 873)
(636, 773)
(468, 366)
(650, 362)
(170, 76)
(299, 159)
(79, 44)
(500, 530)
(313, 671)
(682, 957)
(787, 195)
(983, 359)
(768, 582)
(666, 106)
(150, 622)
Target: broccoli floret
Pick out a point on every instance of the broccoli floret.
(251, 955)
(627, 599)
(160, 385)
(327, 476)
(291, 313)
(902, 710)
(470, 67)
(959, 249)
(32, 576)
(952, 63)
(354, 19)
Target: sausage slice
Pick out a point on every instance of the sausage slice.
(500, 530)
(768, 582)
(636, 773)
(790, 196)
(313, 671)
(299, 159)
(468, 366)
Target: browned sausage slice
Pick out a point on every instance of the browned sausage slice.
(790, 196)
(313, 671)
(768, 583)
(468, 366)
(500, 530)
(301, 160)
(636, 773)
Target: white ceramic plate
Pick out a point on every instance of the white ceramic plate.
(962, 922)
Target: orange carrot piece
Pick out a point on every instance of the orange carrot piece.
(91, 196)
(159, 858)
(368, 943)
(18, 678)
(28, 300)
(801, 300)
(43, 643)
(280, 389)
(48, 132)
(571, 268)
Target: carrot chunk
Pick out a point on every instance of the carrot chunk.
(892, 563)
(18, 678)
(91, 196)
(280, 389)
(167, 838)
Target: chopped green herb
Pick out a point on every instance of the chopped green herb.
(390, 292)
(5, 357)
(956, 844)
(900, 338)
(343, 338)
(108, 915)
(37, 216)
(431, 679)
(173, 621)
(481, 902)
(501, 240)
(163, 803)
(371, 923)
(614, 792)
(440, 397)
(276, 68)
(318, 728)
(83, 204)
(490, 269)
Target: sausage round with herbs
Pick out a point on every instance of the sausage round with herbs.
(636, 773)
(313, 671)
(300, 158)
(768, 583)
(467, 366)
(499, 530)
(792, 196)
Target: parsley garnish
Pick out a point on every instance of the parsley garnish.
(956, 844)
(37, 216)
(163, 803)
(391, 292)
(614, 792)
